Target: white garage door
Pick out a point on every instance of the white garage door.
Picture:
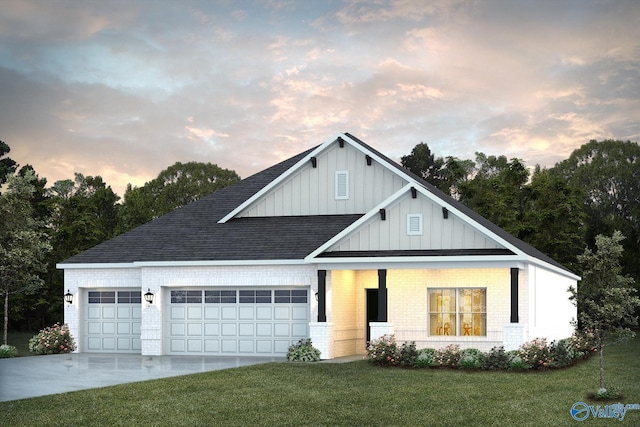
(236, 321)
(112, 321)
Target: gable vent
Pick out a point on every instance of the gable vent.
(414, 224)
(342, 185)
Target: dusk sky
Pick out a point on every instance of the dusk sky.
(124, 89)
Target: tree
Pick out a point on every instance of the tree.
(174, 187)
(7, 165)
(23, 244)
(608, 174)
(422, 162)
(605, 299)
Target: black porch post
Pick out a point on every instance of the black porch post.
(322, 295)
(514, 295)
(382, 295)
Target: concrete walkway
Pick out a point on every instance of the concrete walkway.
(23, 377)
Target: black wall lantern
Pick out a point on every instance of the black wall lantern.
(148, 297)
(68, 297)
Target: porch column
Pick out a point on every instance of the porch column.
(322, 295)
(382, 295)
(514, 295)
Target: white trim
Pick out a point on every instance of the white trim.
(414, 224)
(342, 185)
(139, 264)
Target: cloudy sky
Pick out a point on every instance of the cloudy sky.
(124, 89)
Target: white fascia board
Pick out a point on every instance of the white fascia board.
(281, 178)
(95, 265)
(553, 268)
(362, 220)
(418, 263)
(140, 264)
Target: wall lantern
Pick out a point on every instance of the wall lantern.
(68, 297)
(148, 297)
(316, 296)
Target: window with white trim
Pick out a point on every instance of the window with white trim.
(414, 224)
(342, 185)
(458, 311)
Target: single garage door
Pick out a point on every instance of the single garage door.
(113, 321)
(236, 321)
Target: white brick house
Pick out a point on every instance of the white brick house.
(339, 244)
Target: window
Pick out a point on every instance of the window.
(342, 185)
(129, 297)
(255, 296)
(290, 296)
(458, 311)
(414, 224)
(220, 297)
(180, 297)
(102, 297)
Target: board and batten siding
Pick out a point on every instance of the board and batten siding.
(437, 232)
(311, 191)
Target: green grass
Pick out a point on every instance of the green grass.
(353, 394)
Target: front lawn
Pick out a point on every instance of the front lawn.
(353, 394)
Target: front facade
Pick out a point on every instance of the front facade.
(339, 244)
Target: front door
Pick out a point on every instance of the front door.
(372, 310)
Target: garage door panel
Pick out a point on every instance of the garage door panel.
(281, 330)
(246, 330)
(194, 313)
(246, 346)
(281, 312)
(263, 329)
(300, 313)
(264, 313)
(123, 312)
(229, 313)
(177, 345)
(264, 346)
(108, 328)
(194, 346)
(212, 313)
(124, 328)
(212, 346)
(299, 330)
(194, 329)
(94, 313)
(178, 329)
(94, 327)
(108, 312)
(281, 346)
(229, 346)
(135, 328)
(177, 313)
(124, 343)
(94, 343)
(108, 344)
(212, 329)
(229, 329)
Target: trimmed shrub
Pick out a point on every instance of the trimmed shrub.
(471, 358)
(408, 354)
(52, 340)
(426, 358)
(7, 351)
(303, 351)
(561, 353)
(383, 351)
(516, 362)
(497, 358)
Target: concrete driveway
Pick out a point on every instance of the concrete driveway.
(23, 377)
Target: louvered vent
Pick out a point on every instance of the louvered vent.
(414, 224)
(342, 185)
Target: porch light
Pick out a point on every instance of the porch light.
(316, 296)
(68, 297)
(148, 297)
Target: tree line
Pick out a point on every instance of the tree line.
(559, 210)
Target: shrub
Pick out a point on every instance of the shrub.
(497, 358)
(383, 351)
(448, 356)
(535, 353)
(303, 351)
(516, 362)
(561, 353)
(471, 358)
(583, 343)
(408, 354)
(426, 358)
(52, 340)
(7, 351)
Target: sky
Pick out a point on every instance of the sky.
(125, 89)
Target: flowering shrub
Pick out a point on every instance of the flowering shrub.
(448, 356)
(303, 351)
(497, 358)
(383, 351)
(583, 343)
(52, 340)
(7, 351)
(516, 362)
(471, 358)
(535, 353)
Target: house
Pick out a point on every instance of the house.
(339, 244)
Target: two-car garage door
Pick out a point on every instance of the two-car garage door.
(235, 321)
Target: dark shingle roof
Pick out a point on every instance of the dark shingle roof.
(192, 233)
